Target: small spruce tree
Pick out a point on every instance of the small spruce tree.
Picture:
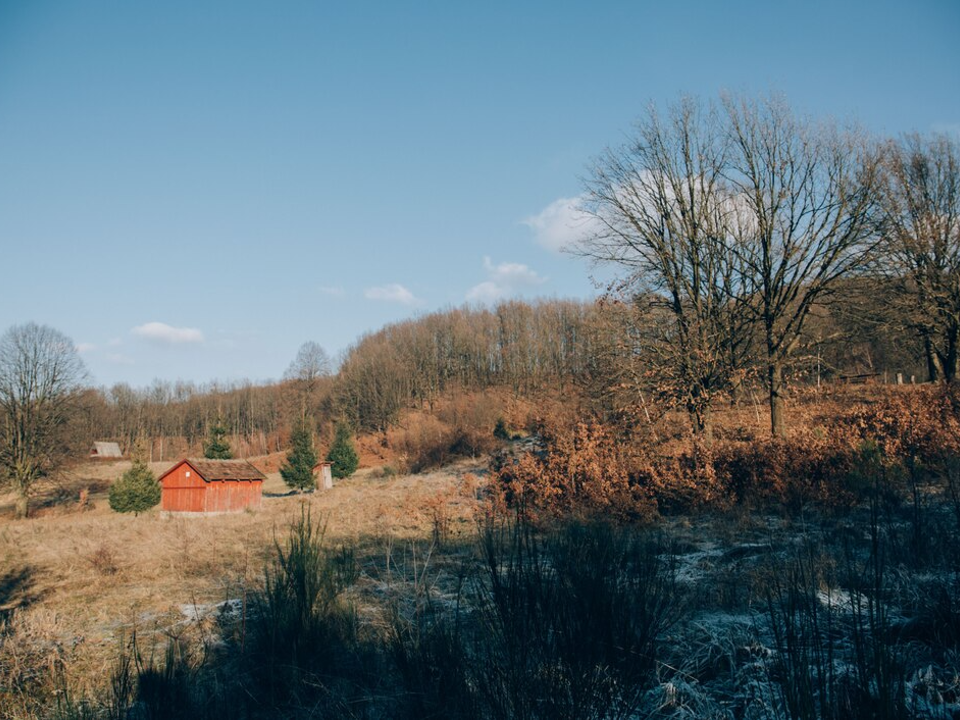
(342, 455)
(136, 491)
(218, 448)
(298, 471)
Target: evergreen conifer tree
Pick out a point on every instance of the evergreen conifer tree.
(343, 455)
(136, 491)
(218, 448)
(298, 471)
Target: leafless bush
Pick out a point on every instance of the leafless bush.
(103, 561)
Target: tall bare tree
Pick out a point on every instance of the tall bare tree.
(662, 209)
(40, 383)
(921, 243)
(806, 194)
(307, 371)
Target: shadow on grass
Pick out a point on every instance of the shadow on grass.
(576, 620)
(16, 589)
(288, 493)
(62, 494)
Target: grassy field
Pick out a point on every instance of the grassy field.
(448, 605)
(80, 577)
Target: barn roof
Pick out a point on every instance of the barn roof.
(211, 470)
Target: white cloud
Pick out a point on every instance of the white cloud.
(561, 224)
(163, 333)
(85, 347)
(115, 342)
(394, 293)
(503, 280)
(485, 292)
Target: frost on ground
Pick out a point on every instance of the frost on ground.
(855, 615)
(195, 612)
(771, 615)
(848, 613)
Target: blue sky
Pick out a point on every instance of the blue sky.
(193, 189)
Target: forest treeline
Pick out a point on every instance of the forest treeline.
(588, 350)
(524, 347)
(175, 418)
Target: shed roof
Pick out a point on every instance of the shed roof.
(211, 470)
(106, 449)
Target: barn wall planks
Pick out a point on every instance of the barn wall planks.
(185, 491)
(233, 495)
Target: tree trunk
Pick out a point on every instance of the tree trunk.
(775, 378)
(23, 505)
(934, 367)
(951, 363)
(736, 392)
(706, 428)
(702, 422)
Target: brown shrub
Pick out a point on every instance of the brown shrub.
(472, 418)
(424, 442)
(919, 423)
(103, 561)
(685, 480)
(803, 468)
(462, 427)
(840, 449)
(582, 471)
(439, 513)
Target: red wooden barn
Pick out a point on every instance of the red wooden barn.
(211, 486)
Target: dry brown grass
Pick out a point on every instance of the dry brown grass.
(93, 574)
(80, 576)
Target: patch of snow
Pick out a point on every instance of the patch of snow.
(835, 598)
(195, 612)
(692, 567)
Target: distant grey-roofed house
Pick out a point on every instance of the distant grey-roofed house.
(105, 450)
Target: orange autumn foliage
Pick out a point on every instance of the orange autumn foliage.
(583, 471)
(923, 424)
(590, 469)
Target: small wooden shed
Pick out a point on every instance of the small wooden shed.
(109, 450)
(324, 474)
(211, 486)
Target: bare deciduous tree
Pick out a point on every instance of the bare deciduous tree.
(40, 382)
(921, 243)
(311, 365)
(807, 194)
(662, 205)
